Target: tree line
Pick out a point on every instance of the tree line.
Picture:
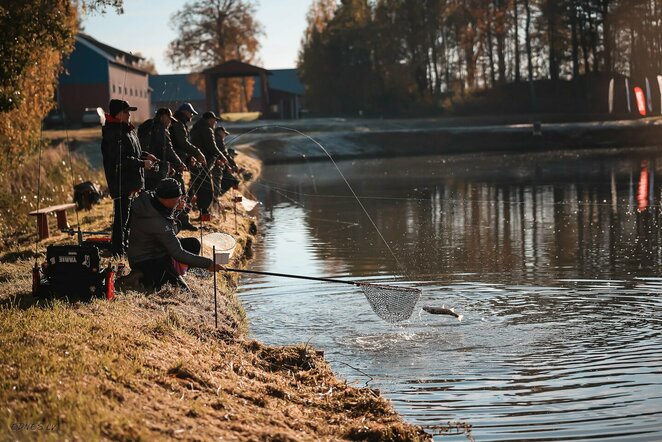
(393, 56)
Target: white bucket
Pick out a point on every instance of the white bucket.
(222, 243)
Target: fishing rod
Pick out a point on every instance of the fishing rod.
(391, 303)
(320, 279)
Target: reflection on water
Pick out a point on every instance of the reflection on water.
(555, 262)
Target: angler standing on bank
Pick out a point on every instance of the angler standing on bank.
(154, 135)
(123, 164)
(202, 135)
(189, 153)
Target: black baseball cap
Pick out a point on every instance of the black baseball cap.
(210, 115)
(187, 107)
(116, 106)
(222, 129)
(165, 111)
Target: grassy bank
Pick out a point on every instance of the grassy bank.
(154, 366)
(21, 190)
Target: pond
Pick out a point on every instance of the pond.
(554, 259)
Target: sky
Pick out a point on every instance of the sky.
(145, 27)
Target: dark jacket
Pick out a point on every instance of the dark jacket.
(121, 158)
(180, 139)
(203, 136)
(153, 234)
(220, 143)
(160, 146)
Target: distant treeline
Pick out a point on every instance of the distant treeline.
(413, 56)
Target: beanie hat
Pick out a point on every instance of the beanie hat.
(168, 188)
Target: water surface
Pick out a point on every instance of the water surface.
(555, 261)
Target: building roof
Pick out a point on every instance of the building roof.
(174, 87)
(286, 80)
(112, 54)
(235, 68)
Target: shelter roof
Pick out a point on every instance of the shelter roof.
(235, 68)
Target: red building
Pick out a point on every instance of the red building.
(94, 73)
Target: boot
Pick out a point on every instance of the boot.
(186, 223)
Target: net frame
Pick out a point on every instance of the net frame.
(391, 303)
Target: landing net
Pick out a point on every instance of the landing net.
(392, 304)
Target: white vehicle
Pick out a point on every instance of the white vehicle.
(90, 117)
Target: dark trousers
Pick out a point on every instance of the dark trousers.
(120, 235)
(160, 271)
(205, 196)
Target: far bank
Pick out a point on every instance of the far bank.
(285, 142)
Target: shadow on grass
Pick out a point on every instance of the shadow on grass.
(20, 255)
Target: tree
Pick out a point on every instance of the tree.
(212, 32)
(37, 34)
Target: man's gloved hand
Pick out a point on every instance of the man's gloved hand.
(215, 268)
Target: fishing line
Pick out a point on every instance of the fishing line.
(282, 190)
(36, 242)
(73, 183)
(351, 189)
(119, 180)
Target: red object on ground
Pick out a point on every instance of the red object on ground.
(110, 285)
(180, 268)
(641, 100)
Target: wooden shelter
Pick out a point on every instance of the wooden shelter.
(233, 69)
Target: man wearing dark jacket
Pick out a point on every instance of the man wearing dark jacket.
(154, 249)
(154, 137)
(202, 135)
(227, 178)
(188, 152)
(123, 164)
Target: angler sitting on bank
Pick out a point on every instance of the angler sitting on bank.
(155, 253)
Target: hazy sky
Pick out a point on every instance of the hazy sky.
(145, 27)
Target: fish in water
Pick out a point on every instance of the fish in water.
(443, 311)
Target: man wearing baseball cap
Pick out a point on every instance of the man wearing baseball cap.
(202, 135)
(155, 252)
(188, 152)
(154, 137)
(123, 164)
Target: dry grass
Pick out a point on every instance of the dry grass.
(154, 367)
(18, 190)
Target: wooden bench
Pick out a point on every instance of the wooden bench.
(42, 218)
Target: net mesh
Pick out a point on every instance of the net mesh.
(392, 304)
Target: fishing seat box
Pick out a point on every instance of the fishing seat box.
(74, 272)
